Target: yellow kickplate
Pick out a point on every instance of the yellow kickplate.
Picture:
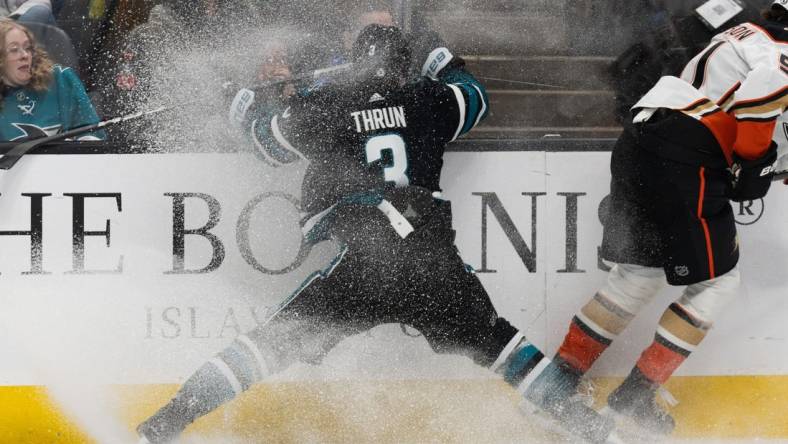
(423, 411)
(735, 407)
(27, 416)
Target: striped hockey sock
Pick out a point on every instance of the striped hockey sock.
(219, 380)
(678, 335)
(591, 332)
(518, 360)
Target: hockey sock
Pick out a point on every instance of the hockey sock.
(678, 335)
(519, 359)
(221, 379)
(591, 331)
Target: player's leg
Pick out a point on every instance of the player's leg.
(631, 236)
(680, 331)
(308, 325)
(633, 240)
(602, 319)
(455, 314)
(704, 253)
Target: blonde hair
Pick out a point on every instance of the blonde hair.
(41, 64)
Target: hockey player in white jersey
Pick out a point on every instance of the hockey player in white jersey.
(695, 142)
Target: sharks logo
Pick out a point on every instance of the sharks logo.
(27, 110)
(31, 131)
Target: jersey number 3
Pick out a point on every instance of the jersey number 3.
(784, 63)
(397, 171)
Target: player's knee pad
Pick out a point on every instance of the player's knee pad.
(631, 287)
(685, 323)
(706, 300)
(604, 317)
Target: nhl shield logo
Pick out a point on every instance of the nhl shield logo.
(681, 270)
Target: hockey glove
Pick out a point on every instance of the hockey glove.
(751, 179)
(242, 103)
(430, 54)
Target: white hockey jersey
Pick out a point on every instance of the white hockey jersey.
(737, 87)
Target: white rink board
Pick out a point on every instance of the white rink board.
(146, 325)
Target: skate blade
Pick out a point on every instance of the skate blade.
(628, 431)
(551, 425)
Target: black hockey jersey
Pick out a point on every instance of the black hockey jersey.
(359, 139)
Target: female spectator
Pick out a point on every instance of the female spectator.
(30, 11)
(38, 98)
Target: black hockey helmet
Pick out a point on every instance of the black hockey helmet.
(778, 14)
(382, 54)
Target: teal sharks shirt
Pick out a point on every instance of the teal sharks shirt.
(62, 106)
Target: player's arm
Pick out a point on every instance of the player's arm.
(461, 95)
(760, 100)
(757, 104)
(268, 125)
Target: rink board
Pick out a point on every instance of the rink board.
(129, 311)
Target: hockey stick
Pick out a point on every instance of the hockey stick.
(17, 152)
(12, 156)
(309, 75)
(318, 73)
(780, 176)
(521, 82)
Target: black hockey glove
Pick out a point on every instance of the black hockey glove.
(751, 179)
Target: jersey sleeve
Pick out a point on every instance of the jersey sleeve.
(274, 132)
(760, 100)
(76, 108)
(461, 101)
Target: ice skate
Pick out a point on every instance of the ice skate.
(553, 396)
(163, 427)
(634, 403)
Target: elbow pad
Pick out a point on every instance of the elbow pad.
(272, 146)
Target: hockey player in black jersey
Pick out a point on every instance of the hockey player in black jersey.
(374, 145)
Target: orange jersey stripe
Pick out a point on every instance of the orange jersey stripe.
(704, 224)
